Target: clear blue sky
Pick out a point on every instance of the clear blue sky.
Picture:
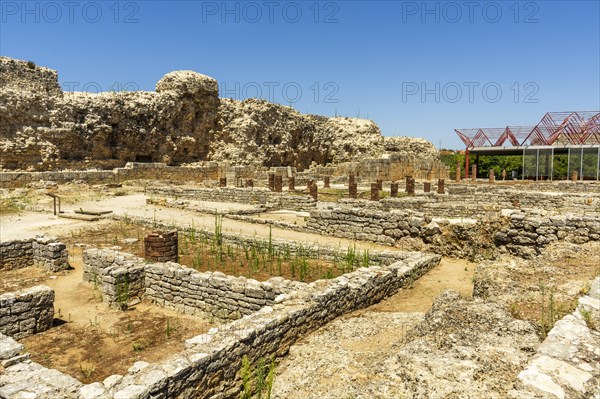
(375, 58)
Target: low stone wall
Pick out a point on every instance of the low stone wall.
(473, 202)
(519, 185)
(528, 232)
(44, 252)
(372, 225)
(26, 312)
(566, 363)
(132, 171)
(239, 195)
(214, 294)
(119, 276)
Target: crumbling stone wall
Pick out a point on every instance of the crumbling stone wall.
(44, 252)
(528, 232)
(372, 225)
(238, 195)
(131, 171)
(475, 203)
(183, 121)
(26, 312)
(119, 276)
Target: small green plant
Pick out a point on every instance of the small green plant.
(140, 344)
(87, 370)
(31, 65)
(246, 377)
(122, 292)
(587, 317)
(120, 193)
(548, 311)
(218, 229)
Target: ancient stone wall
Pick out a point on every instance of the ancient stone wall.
(528, 232)
(183, 121)
(44, 252)
(26, 312)
(132, 171)
(210, 294)
(238, 195)
(119, 276)
(372, 225)
(476, 203)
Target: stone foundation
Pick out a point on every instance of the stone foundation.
(26, 312)
(528, 232)
(44, 252)
(238, 195)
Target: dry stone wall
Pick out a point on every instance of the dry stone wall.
(125, 277)
(475, 203)
(527, 233)
(44, 252)
(132, 171)
(26, 312)
(119, 275)
(238, 195)
(372, 225)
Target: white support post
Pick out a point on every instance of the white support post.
(537, 163)
(568, 164)
(552, 165)
(581, 165)
(523, 171)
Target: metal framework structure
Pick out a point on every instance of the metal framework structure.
(556, 132)
(555, 128)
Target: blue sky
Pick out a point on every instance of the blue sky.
(416, 68)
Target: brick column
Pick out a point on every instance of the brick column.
(457, 177)
(291, 183)
(410, 185)
(223, 182)
(574, 175)
(249, 183)
(353, 190)
(312, 189)
(278, 184)
(161, 246)
(351, 179)
(379, 184)
(473, 173)
(326, 181)
(491, 176)
(393, 189)
(271, 184)
(441, 188)
(375, 191)
(427, 187)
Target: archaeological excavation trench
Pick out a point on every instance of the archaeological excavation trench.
(220, 292)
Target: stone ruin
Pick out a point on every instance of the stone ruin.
(183, 121)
